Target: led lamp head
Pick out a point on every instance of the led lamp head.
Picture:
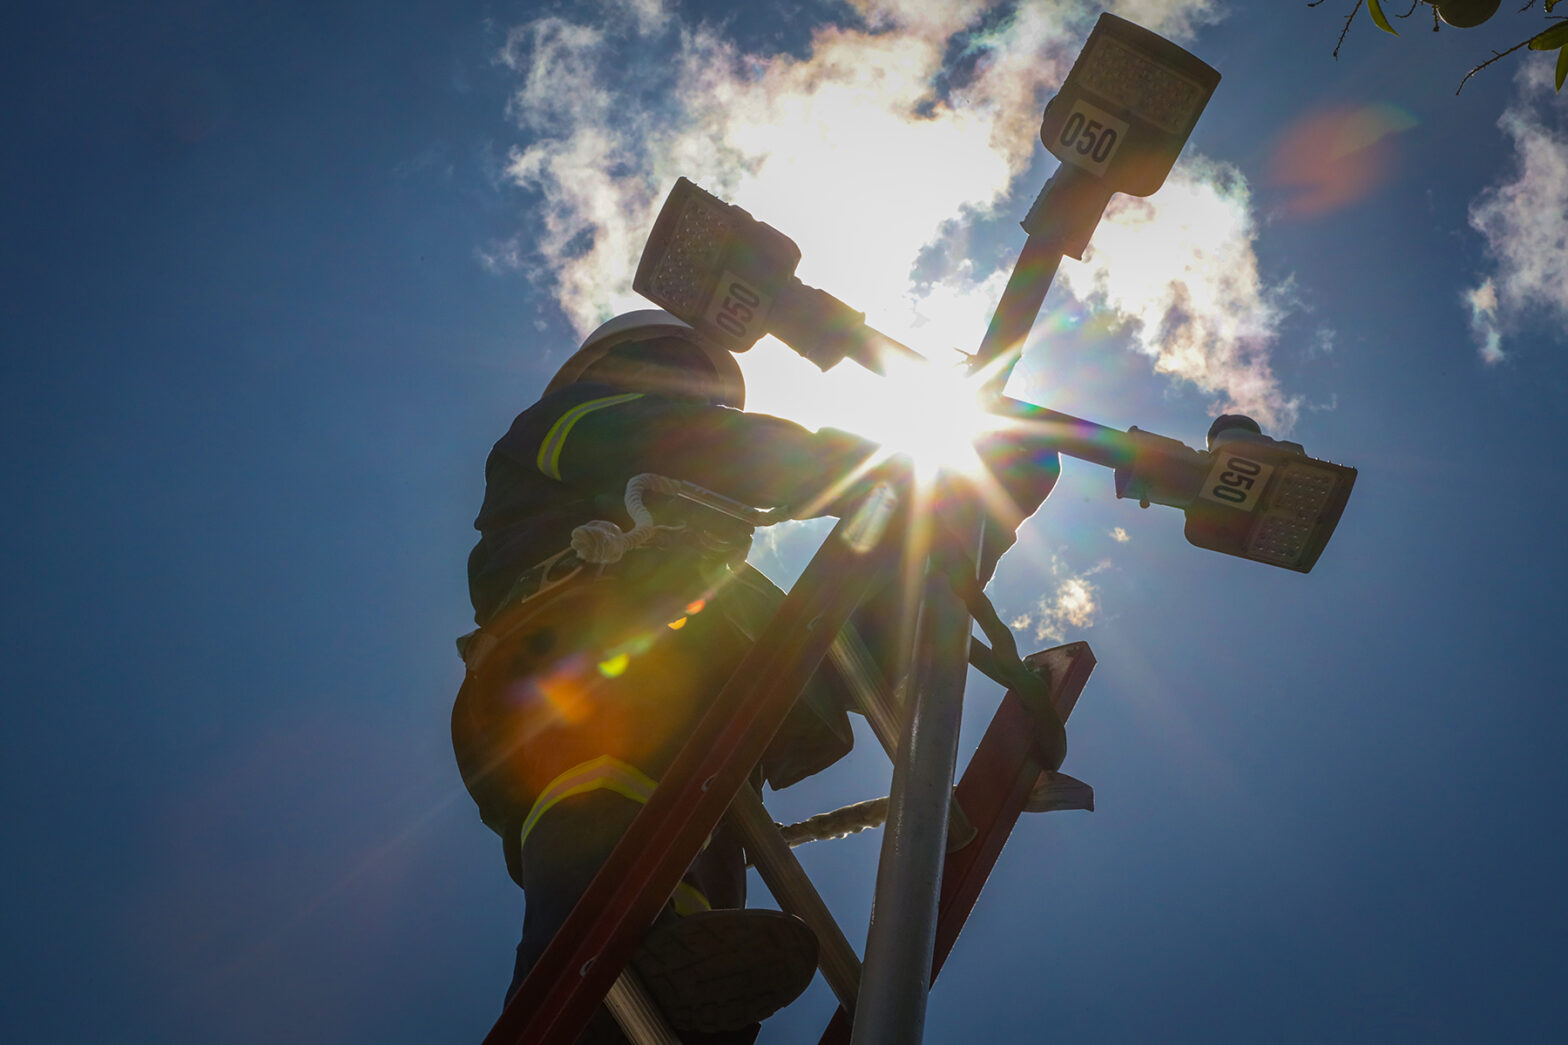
(1127, 106)
(715, 266)
(1266, 500)
(732, 278)
(1251, 496)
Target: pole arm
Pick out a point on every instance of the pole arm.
(1150, 468)
(1015, 314)
(1065, 434)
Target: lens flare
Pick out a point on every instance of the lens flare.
(562, 693)
(615, 667)
(1337, 157)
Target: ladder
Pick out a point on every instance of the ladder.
(924, 893)
(931, 883)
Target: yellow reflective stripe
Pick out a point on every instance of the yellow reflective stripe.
(604, 772)
(549, 459)
(688, 899)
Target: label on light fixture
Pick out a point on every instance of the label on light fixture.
(1090, 137)
(739, 309)
(1236, 481)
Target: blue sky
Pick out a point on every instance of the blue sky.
(276, 278)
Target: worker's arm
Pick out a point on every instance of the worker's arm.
(595, 437)
(1019, 477)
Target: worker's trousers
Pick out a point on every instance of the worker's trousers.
(566, 849)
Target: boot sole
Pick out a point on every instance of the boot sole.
(724, 970)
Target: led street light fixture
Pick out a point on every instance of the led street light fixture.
(1127, 107)
(733, 278)
(715, 266)
(1251, 496)
(1265, 499)
(1117, 124)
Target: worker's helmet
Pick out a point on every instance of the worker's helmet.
(649, 350)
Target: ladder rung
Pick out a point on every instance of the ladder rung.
(632, 1007)
(792, 888)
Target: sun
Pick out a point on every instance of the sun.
(927, 411)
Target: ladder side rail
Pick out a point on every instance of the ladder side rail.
(997, 783)
(994, 788)
(640, 1019)
(594, 943)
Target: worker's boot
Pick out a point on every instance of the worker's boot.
(717, 972)
(724, 970)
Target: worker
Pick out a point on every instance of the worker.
(586, 675)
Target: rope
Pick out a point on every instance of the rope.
(1051, 791)
(601, 541)
(840, 823)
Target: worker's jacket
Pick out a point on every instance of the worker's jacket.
(565, 462)
(567, 459)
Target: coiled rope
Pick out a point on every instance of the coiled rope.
(601, 541)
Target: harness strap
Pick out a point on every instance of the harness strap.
(561, 568)
(595, 546)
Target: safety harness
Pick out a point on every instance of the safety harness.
(595, 546)
(600, 545)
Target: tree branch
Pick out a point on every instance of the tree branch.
(1351, 17)
(1495, 56)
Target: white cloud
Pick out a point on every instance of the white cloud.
(868, 151)
(1072, 606)
(1179, 21)
(1119, 535)
(648, 16)
(939, 18)
(1323, 342)
(1181, 268)
(1482, 301)
(559, 64)
(1525, 222)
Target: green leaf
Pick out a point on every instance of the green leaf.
(1549, 5)
(1562, 66)
(1550, 39)
(1379, 19)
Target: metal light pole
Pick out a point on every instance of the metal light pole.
(1104, 153)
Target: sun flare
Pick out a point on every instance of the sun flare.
(929, 412)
